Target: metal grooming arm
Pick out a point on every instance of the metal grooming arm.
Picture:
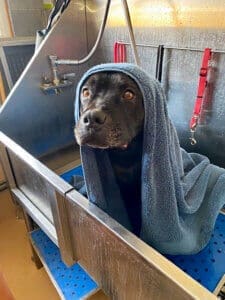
(57, 83)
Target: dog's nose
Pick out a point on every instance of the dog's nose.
(94, 117)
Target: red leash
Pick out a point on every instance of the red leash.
(201, 91)
(119, 52)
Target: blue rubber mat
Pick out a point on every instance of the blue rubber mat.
(74, 282)
(67, 176)
(208, 266)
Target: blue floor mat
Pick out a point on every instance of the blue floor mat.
(73, 282)
(67, 176)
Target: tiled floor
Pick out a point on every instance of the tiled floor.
(22, 276)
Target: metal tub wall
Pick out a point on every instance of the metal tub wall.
(179, 24)
(39, 190)
(32, 185)
(182, 24)
(123, 265)
(44, 123)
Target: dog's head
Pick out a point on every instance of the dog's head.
(111, 111)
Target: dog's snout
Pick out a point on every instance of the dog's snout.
(94, 117)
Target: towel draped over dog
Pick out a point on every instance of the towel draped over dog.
(181, 193)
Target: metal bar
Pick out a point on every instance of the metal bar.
(159, 63)
(6, 166)
(53, 60)
(35, 164)
(60, 215)
(36, 215)
(6, 68)
(9, 175)
(30, 228)
(131, 32)
(138, 44)
(101, 31)
(172, 47)
(17, 41)
(91, 53)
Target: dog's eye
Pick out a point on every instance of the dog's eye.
(86, 93)
(128, 95)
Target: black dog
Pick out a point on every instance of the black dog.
(111, 117)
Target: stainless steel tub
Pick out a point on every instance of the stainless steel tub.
(123, 265)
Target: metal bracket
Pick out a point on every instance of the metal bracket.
(192, 138)
(49, 87)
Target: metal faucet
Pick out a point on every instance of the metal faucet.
(58, 82)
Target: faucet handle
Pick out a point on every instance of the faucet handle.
(68, 76)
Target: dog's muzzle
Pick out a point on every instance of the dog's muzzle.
(93, 119)
(91, 128)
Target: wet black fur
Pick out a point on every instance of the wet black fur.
(117, 122)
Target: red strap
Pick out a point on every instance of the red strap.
(119, 52)
(201, 88)
(115, 52)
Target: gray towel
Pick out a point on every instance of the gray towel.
(181, 193)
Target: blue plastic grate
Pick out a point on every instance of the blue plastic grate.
(208, 266)
(68, 175)
(74, 282)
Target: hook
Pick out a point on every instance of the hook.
(192, 138)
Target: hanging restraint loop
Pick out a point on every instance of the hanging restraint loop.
(119, 52)
(200, 94)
